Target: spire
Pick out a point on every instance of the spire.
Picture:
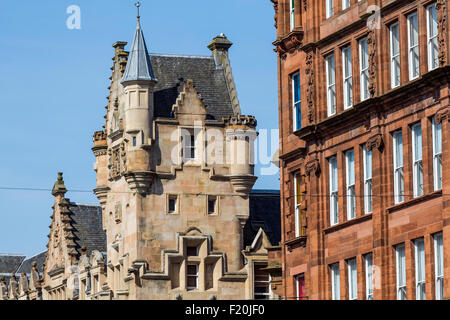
(139, 66)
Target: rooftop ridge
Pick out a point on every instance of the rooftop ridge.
(169, 55)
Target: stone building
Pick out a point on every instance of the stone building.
(364, 149)
(174, 177)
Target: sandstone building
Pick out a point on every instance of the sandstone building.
(364, 149)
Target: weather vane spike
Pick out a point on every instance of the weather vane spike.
(138, 5)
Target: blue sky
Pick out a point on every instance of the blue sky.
(54, 83)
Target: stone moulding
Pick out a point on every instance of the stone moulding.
(375, 141)
(289, 43)
(139, 181)
(442, 114)
(243, 183)
(313, 167)
(102, 194)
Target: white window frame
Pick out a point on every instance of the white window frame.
(437, 154)
(331, 84)
(417, 164)
(329, 8)
(347, 75)
(400, 271)
(334, 200)
(368, 262)
(296, 105)
(335, 282)
(350, 184)
(297, 208)
(413, 48)
(368, 193)
(395, 56)
(352, 279)
(364, 68)
(399, 183)
(439, 265)
(292, 14)
(419, 259)
(432, 37)
(196, 147)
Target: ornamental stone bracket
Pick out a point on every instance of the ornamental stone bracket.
(243, 184)
(442, 114)
(102, 194)
(140, 181)
(313, 167)
(375, 142)
(289, 43)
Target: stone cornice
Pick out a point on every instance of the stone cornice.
(346, 117)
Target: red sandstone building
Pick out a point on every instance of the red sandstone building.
(364, 149)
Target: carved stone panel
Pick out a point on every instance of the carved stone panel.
(441, 7)
(372, 48)
(313, 167)
(310, 89)
(117, 161)
(375, 141)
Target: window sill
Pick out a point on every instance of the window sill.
(348, 223)
(409, 203)
(295, 243)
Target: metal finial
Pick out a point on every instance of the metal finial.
(138, 5)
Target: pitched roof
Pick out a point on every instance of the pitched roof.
(209, 80)
(9, 263)
(138, 66)
(264, 213)
(88, 227)
(26, 264)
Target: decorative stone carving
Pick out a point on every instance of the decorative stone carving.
(24, 283)
(275, 7)
(3, 289)
(13, 288)
(372, 48)
(117, 161)
(375, 141)
(35, 281)
(310, 89)
(441, 7)
(313, 167)
(118, 212)
(305, 4)
(290, 43)
(442, 114)
(102, 195)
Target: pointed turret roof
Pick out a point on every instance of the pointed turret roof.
(139, 66)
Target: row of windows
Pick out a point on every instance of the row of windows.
(398, 172)
(329, 10)
(395, 70)
(419, 269)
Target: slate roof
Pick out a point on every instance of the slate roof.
(265, 212)
(209, 80)
(88, 227)
(138, 65)
(10, 263)
(26, 264)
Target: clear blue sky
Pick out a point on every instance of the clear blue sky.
(54, 83)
